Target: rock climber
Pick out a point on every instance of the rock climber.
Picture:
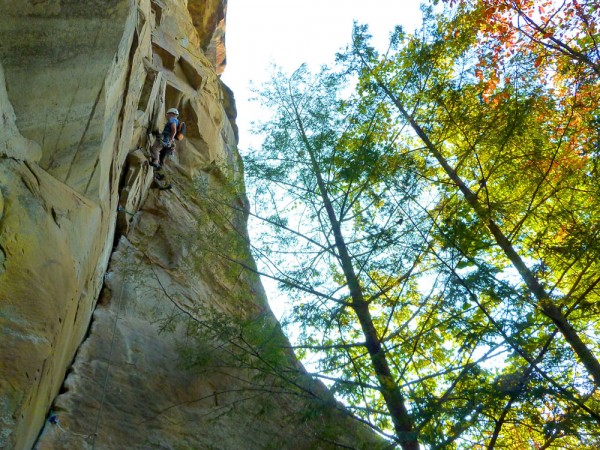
(165, 142)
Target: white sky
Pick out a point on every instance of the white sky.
(289, 33)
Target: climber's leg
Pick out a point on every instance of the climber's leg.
(155, 151)
(164, 152)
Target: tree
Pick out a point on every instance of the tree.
(513, 165)
(559, 35)
(404, 320)
(321, 168)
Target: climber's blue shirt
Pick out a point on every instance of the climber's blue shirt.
(166, 134)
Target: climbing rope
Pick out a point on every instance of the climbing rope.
(121, 209)
(112, 344)
(53, 419)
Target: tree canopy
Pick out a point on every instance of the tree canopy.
(432, 212)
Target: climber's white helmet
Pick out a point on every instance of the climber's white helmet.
(173, 111)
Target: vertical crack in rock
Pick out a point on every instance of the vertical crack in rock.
(83, 136)
(2, 260)
(1, 208)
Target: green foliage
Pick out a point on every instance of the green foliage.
(451, 208)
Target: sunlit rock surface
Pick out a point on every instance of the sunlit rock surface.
(129, 387)
(82, 84)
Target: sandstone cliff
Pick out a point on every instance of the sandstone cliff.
(119, 283)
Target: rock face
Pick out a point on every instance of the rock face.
(174, 355)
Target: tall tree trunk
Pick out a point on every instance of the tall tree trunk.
(545, 303)
(389, 389)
